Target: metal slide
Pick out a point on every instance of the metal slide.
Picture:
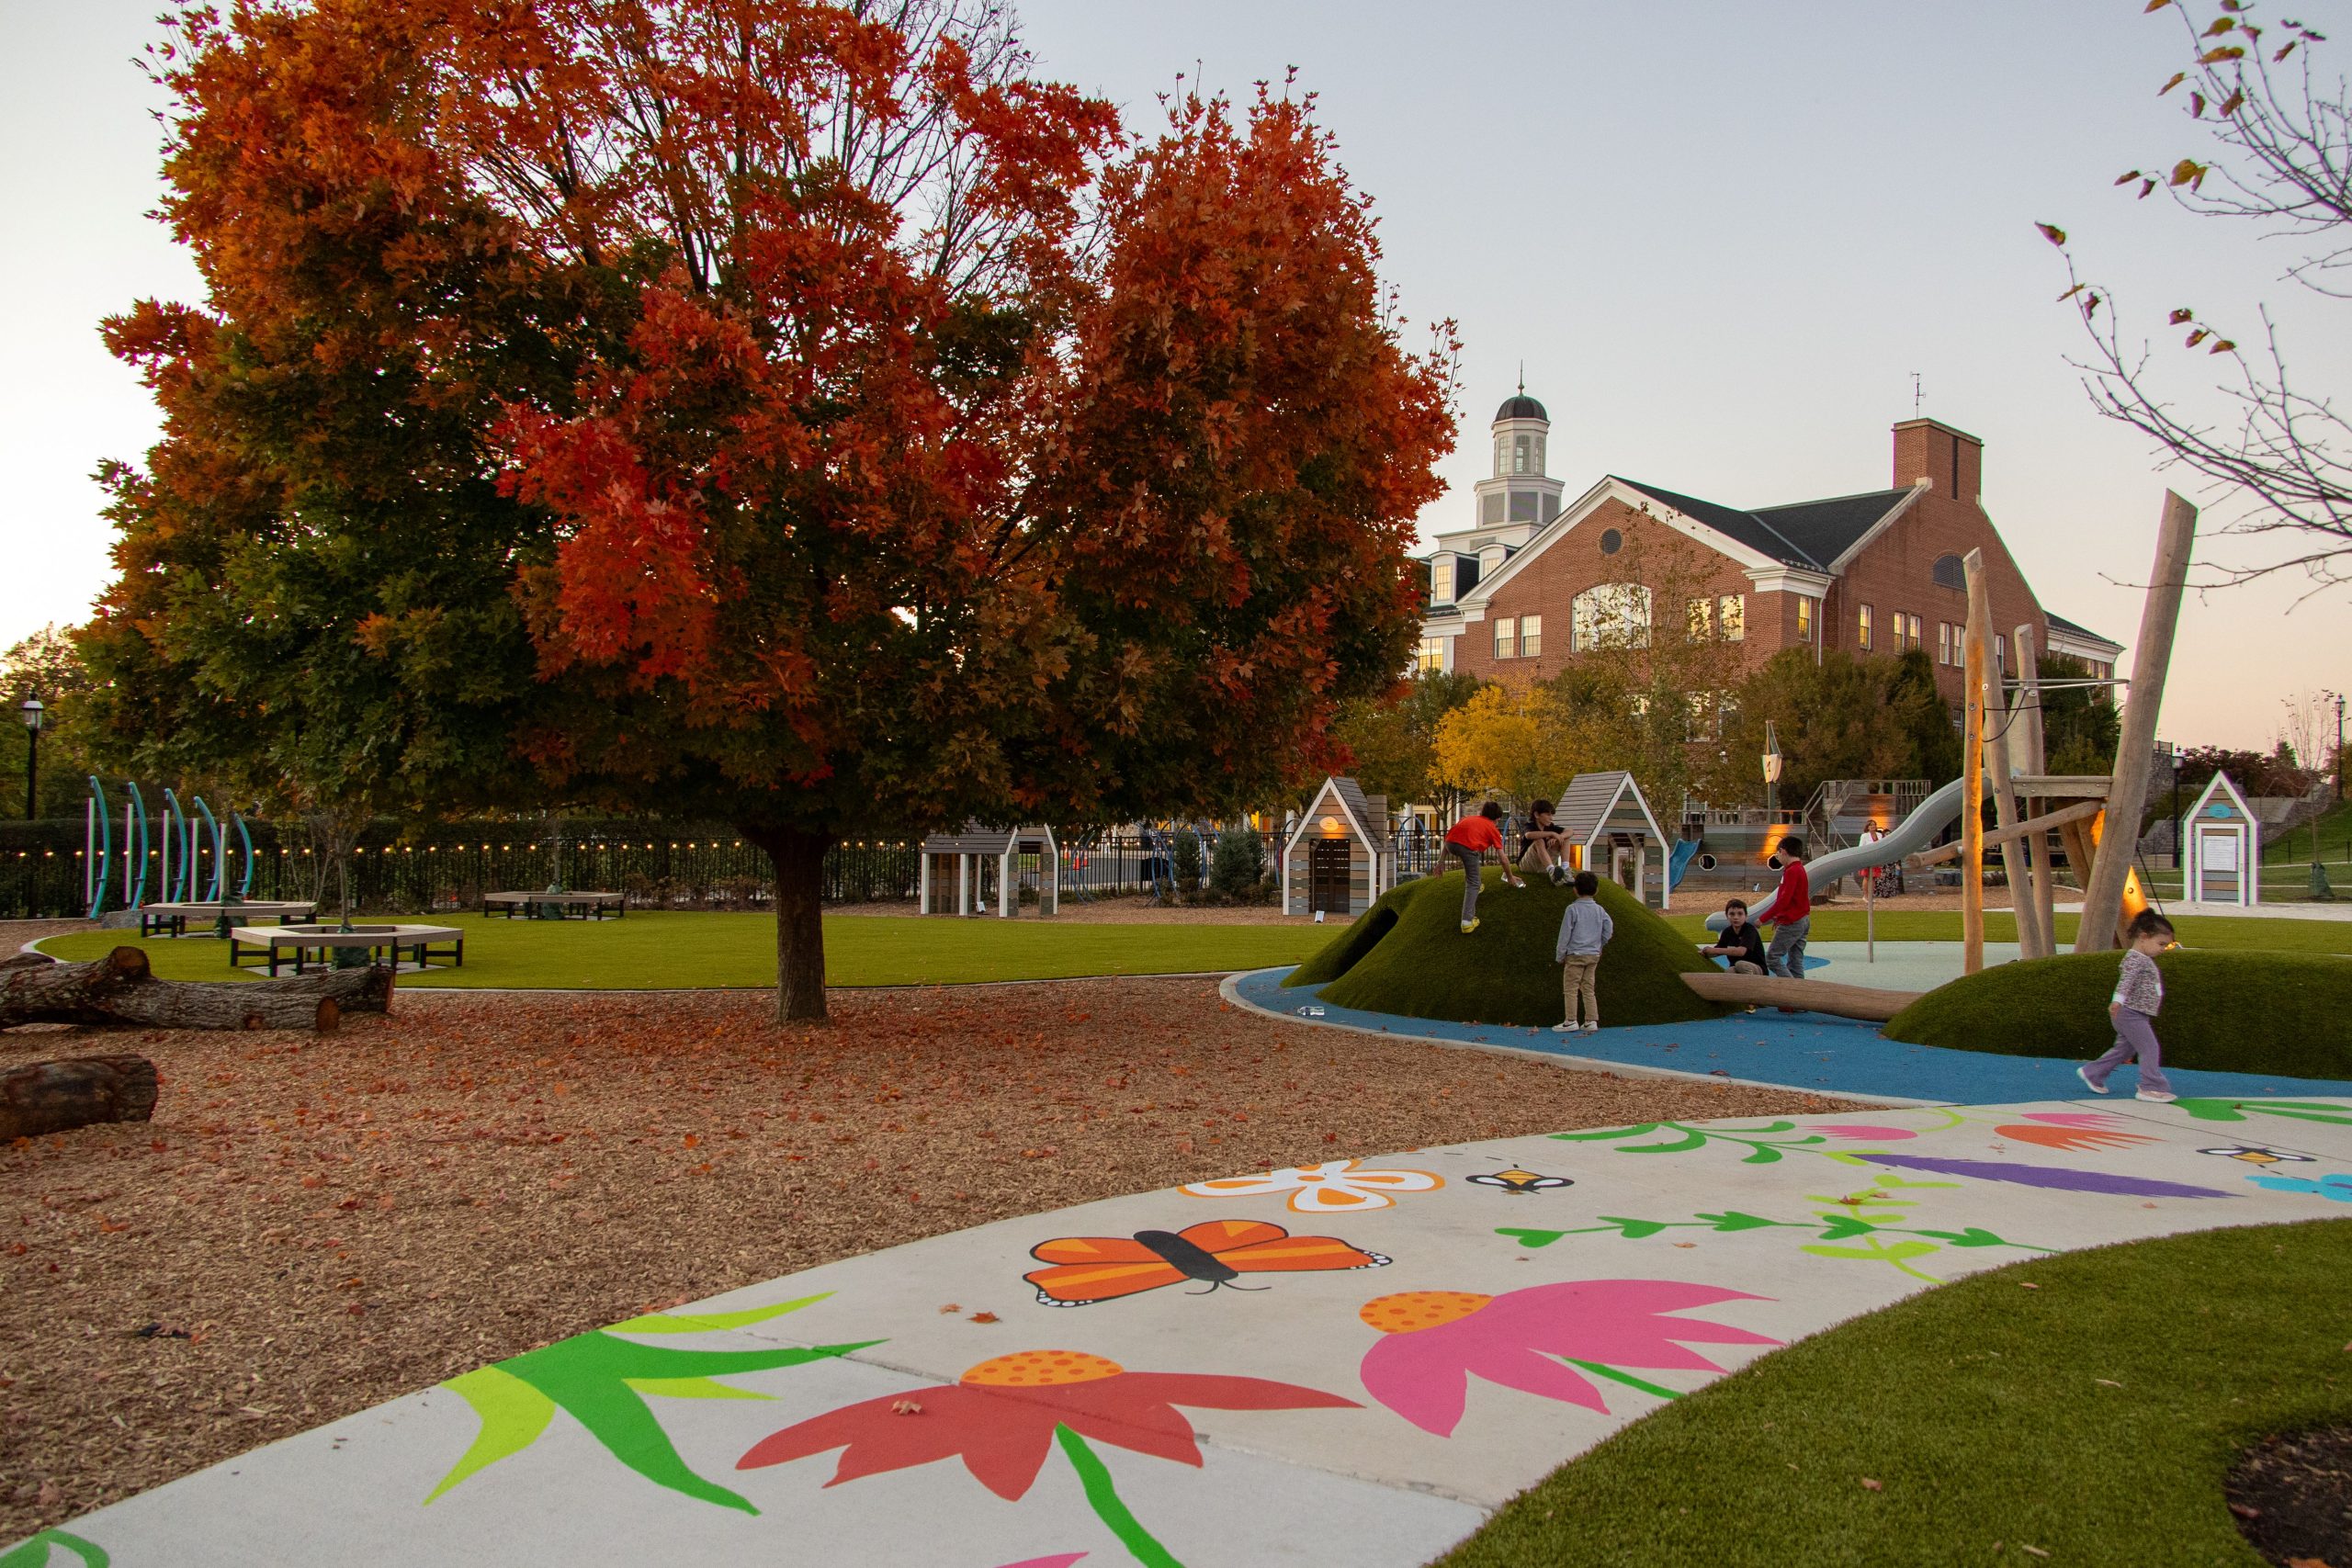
(1908, 836)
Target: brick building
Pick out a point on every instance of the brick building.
(1540, 578)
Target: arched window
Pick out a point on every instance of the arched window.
(1520, 451)
(1502, 455)
(1611, 614)
(1950, 573)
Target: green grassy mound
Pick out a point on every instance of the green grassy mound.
(2089, 1420)
(1406, 954)
(2232, 1012)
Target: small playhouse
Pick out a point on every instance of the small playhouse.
(1337, 860)
(963, 873)
(1612, 833)
(2222, 861)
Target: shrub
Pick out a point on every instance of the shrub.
(1238, 863)
(1186, 864)
(2242, 1011)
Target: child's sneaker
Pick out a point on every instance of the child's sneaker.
(1469, 926)
(1559, 876)
(1569, 1028)
(1593, 1028)
(1514, 882)
(2085, 1074)
(2161, 1097)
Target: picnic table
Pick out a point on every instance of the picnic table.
(564, 905)
(422, 943)
(172, 918)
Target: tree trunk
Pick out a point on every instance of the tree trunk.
(121, 989)
(800, 861)
(50, 1097)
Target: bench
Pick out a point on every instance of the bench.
(171, 919)
(422, 943)
(564, 905)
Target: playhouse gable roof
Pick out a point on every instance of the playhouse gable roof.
(2237, 809)
(1591, 799)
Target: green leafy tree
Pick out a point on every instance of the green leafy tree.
(2080, 727)
(1238, 863)
(47, 666)
(1842, 717)
(1391, 739)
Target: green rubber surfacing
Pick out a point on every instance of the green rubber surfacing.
(1406, 954)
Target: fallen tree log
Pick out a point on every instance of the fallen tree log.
(1810, 995)
(50, 1097)
(121, 989)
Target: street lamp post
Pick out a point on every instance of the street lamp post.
(31, 713)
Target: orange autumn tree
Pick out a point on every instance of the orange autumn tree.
(918, 481)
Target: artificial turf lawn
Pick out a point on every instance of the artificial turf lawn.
(1846, 923)
(2229, 1012)
(1408, 955)
(2091, 1418)
(660, 951)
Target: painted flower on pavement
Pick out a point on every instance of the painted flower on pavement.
(2335, 1188)
(2074, 1118)
(1435, 1340)
(1335, 1187)
(1859, 1132)
(1004, 1416)
(2063, 1137)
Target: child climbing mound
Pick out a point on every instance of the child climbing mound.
(2138, 995)
(1585, 930)
(1468, 841)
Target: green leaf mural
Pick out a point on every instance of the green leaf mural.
(602, 1381)
(2234, 1110)
(34, 1551)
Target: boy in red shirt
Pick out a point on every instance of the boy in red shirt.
(1468, 840)
(1791, 913)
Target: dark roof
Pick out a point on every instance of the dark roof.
(1806, 533)
(2062, 624)
(1520, 407)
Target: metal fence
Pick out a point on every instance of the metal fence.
(448, 867)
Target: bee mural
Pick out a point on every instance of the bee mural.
(2252, 1155)
(1523, 1182)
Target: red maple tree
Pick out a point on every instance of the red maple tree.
(927, 450)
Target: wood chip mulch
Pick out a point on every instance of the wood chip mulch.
(2291, 1496)
(311, 1226)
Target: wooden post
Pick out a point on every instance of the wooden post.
(2027, 750)
(1996, 750)
(2135, 752)
(1972, 794)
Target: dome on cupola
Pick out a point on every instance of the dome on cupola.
(1520, 406)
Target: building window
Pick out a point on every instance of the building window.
(1698, 619)
(1943, 642)
(1949, 572)
(1612, 541)
(1520, 451)
(1530, 637)
(1862, 630)
(1441, 581)
(1700, 717)
(1918, 626)
(1612, 614)
(1731, 617)
(1432, 658)
(1804, 619)
(1502, 455)
(1506, 638)
(1539, 454)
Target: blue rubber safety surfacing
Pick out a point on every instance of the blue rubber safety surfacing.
(1804, 1051)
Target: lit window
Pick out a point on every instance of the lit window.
(1731, 617)
(1943, 642)
(1804, 619)
(1612, 614)
(1700, 707)
(1530, 637)
(1918, 630)
(1441, 581)
(1862, 630)
(1699, 618)
(1506, 638)
(1432, 658)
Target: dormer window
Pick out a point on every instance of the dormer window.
(1441, 579)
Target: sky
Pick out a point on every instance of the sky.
(1722, 237)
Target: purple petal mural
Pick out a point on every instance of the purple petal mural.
(2059, 1178)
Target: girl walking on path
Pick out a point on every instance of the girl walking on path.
(2138, 995)
(1468, 841)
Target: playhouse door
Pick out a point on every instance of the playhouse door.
(1326, 876)
(2217, 857)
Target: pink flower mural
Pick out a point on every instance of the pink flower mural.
(1434, 1341)
(1860, 1132)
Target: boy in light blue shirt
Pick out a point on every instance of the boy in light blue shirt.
(1585, 930)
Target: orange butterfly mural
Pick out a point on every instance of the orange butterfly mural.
(1083, 1269)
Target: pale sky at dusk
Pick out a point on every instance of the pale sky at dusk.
(1721, 235)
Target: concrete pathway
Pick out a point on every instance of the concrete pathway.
(1835, 1056)
(1350, 1365)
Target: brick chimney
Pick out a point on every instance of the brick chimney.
(1952, 461)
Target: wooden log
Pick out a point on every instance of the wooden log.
(2032, 757)
(52, 1097)
(2135, 752)
(2061, 786)
(1999, 711)
(1971, 816)
(2048, 822)
(121, 989)
(1812, 996)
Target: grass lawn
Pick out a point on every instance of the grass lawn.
(1844, 923)
(2230, 1012)
(660, 952)
(2091, 1419)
